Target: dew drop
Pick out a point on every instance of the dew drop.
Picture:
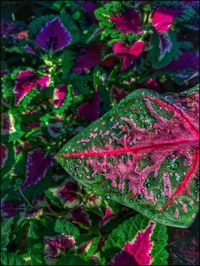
(140, 196)
(148, 184)
(175, 166)
(108, 196)
(158, 195)
(110, 160)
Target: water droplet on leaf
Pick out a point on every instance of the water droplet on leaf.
(175, 166)
(108, 196)
(158, 195)
(140, 196)
(148, 184)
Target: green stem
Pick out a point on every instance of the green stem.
(24, 197)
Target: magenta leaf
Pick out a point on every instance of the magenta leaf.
(89, 58)
(4, 154)
(67, 194)
(26, 81)
(133, 243)
(128, 22)
(128, 53)
(36, 167)
(162, 18)
(89, 111)
(53, 36)
(79, 216)
(55, 245)
(7, 158)
(59, 95)
(143, 154)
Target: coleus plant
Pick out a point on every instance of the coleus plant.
(144, 154)
(64, 65)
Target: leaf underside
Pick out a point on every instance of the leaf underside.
(143, 154)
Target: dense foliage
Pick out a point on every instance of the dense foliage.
(99, 132)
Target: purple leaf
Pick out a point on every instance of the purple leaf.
(186, 60)
(55, 245)
(151, 84)
(90, 8)
(37, 165)
(118, 93)
(90, 58)
(4, 72)
(128, 22)
(78, 215)
(30, 49)
(9, 208)
(89, 111)
(4, 154)
(68, 191)
(26, 81)
(53, 36)
(123, 258)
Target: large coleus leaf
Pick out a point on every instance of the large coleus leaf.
(37, 165)
(164, 49)
(138, 241)
(143, 154)
(7, 158)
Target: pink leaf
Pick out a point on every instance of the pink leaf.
(26, 81)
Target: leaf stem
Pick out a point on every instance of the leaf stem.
(26, 200)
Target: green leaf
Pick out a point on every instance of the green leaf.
(12, 259)
(5, 232)
(142, 154)
(10, 155)
(68, 58)
(164, 49)
(71, 26)
(137, 232)
(36, 253)
(67, 102)
(73, 260)
(65, 227)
